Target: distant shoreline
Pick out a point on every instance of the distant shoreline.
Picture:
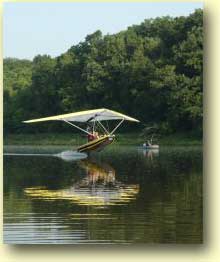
(43, 139)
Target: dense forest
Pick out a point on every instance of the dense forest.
(152, 71)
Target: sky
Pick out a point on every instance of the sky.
(30, 29)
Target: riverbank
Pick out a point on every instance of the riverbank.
(76, 139)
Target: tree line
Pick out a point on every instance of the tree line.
(152, 71)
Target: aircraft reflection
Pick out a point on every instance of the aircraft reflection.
(151, 153)
(98, 188)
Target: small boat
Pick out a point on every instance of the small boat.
(93, 119)
(147, 146)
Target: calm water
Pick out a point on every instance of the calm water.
(122, 195)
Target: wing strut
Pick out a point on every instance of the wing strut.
(77, 127)
(103, 127)
(117, 126)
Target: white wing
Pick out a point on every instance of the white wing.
(86, 116)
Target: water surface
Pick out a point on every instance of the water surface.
(123, 195)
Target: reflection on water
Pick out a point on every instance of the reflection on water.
(98, 188)
(123, 195)
(151, 153)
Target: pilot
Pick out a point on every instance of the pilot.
(92, 135)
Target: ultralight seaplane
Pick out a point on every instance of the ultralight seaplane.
(93, 119)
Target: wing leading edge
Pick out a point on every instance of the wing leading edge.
(88, 115)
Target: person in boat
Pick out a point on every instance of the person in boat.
(148, 143)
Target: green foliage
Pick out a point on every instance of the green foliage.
(152, 71)
(17, 74)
